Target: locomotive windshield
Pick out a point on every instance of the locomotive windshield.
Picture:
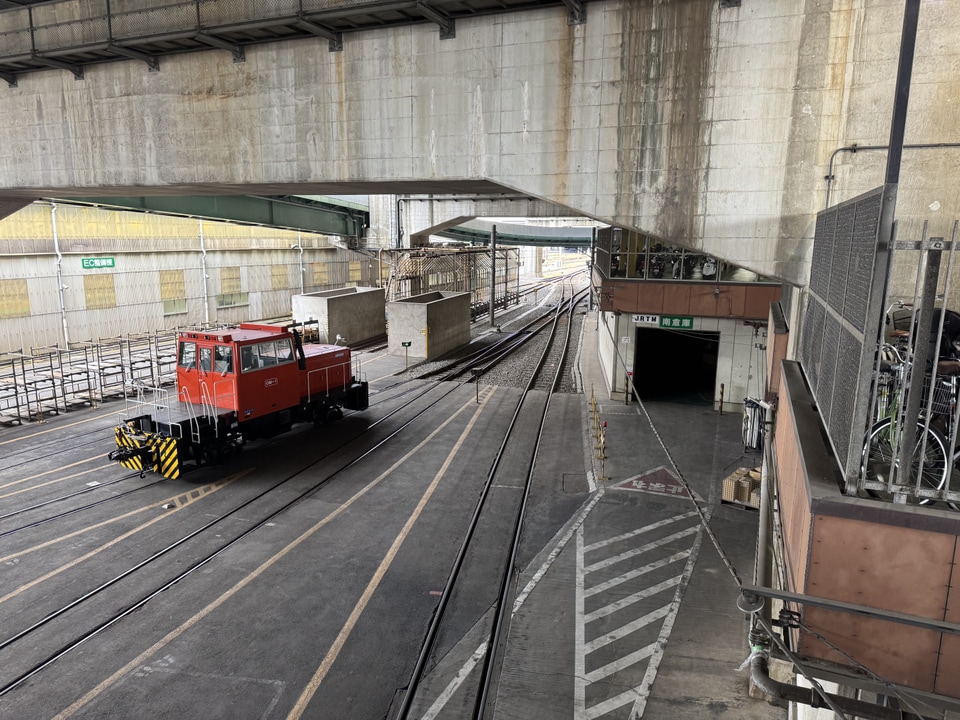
(188, 355)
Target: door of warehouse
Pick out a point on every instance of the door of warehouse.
(676, 365)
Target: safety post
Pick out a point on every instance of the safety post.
(599, 433)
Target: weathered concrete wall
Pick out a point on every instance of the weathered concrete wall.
(356, 314)
(711, 128)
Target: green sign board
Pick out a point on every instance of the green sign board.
(96, 263)
(681, 322)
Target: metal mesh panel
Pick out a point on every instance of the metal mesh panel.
(15, 33)
(131, 20)
(217, 13)
(836, 354)
(845, 389)
(812, 342)
(841, 255)
(826, 398)
(863, 243)
(822, 253)
(69, 24)
(317, 5)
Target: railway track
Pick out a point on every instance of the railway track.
(534, 404)
(43, 635)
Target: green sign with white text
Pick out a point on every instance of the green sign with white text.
(680, 322)
(96, 263)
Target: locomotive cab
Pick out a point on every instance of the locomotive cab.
(237, 384)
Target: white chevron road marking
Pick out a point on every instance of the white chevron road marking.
(635, 697)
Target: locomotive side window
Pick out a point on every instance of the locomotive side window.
(248, 358)
(223, 359)
(206, 359)
(277, 352)
(266, 354)
(188, 355)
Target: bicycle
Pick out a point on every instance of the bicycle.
(931, 460)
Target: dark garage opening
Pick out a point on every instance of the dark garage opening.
(676, 365)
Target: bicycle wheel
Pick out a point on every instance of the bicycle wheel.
(878, 458)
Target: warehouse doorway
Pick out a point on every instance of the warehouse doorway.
(676, 365)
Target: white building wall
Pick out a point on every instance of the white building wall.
(741, 364)
(141, 247)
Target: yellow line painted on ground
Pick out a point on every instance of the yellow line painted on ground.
(376, 357)
(297, 712)
(180, 500)
(390, 375)
(98, 456)
(93, 694)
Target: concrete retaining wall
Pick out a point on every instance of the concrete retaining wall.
(433, 324)
(355, 313)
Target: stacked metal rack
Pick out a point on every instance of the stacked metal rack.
(51, 380)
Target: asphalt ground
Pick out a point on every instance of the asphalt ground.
(622, 608)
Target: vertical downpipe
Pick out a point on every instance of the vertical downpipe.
(300, 250)
(56, 249)
(203, 276)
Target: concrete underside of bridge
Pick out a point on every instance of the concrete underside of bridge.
(709, 127)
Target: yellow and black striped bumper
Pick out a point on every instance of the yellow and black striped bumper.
(138, 450)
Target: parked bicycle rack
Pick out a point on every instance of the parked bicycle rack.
(907, 419)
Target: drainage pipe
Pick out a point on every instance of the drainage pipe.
(56, 249)
(829, 177)
(203, 278)
(760, 677)
(762, 570)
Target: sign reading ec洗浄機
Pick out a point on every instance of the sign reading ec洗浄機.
(96, 263)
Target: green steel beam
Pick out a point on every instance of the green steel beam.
(288, 212)
(478, 237)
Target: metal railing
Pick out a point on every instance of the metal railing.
(65, 25)
(49, 380)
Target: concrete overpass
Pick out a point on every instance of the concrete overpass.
(710, 125)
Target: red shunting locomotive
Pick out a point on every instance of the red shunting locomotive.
(236, 384)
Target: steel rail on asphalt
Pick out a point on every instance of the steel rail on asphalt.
(145, 598)
(432, 633)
